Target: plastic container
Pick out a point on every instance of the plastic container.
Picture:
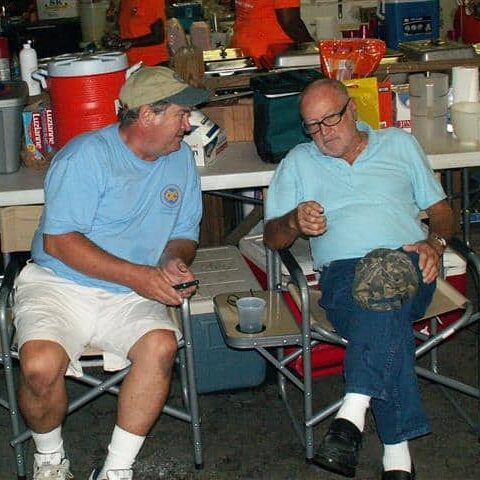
(93, 20)
(217, 366)
(410, 20)
(29, 65)
(466, 121)
(84, 89)
(13, 98)
(429, 105)
(4, 60)
(250, 314)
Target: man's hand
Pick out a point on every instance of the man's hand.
(308, 219)
(157, 283)
(179, 272)
(428, 261)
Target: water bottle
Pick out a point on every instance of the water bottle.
(28, 65)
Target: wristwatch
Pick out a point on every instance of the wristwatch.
(439, 239)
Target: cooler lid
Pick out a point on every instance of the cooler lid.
(13, 94)
(82, 64)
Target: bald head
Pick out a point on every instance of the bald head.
(324, 88)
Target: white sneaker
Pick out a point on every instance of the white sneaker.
(125, 474)
(51, 466)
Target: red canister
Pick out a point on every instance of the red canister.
(84, 90)
(4, 60)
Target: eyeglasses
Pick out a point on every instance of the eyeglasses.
(311, 128)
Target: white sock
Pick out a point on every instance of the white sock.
(122, 451)
(354, 408)
(397, 457)
(50, 442)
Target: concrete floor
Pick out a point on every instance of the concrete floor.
(247, 434)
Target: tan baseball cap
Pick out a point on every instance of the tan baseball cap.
(152, 84)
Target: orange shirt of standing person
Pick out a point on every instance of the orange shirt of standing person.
(260, 23)
(142, 29)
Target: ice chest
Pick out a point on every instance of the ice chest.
(277, 126)
(217, 366)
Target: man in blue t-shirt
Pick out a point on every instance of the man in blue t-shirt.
(119, 229)
(353, 190)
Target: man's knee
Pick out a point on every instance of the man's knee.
(43, 364)
(157, 348)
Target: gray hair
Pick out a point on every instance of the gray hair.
(128, 116)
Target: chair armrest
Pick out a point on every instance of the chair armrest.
(294, 269)
(11, 272)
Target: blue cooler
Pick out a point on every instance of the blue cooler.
(411, 20)
(217, 366)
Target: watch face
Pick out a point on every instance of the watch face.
(440, 240)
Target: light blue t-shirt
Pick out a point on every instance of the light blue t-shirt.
(127, 206)
(370, 204)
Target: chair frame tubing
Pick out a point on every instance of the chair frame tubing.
(190, 413)
(304, 427)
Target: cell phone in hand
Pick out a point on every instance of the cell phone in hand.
(181, 286)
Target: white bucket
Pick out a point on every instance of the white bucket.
(93, 20)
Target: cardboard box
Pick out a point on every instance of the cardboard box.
(54, 9)
(401, 107)
(206, 139)
(235, 119)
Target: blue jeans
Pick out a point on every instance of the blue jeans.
(380, 356)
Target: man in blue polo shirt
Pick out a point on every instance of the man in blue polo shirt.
(119, 230)
(353, 190)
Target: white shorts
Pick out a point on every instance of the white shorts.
(48, 307)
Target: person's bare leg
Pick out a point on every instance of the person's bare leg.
(142, 396)
(42, 395)
(145, 389)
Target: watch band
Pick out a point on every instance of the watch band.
(439, 239)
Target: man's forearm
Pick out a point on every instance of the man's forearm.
(279, 233)
(180, 248)
(81, 254)
(441, 220)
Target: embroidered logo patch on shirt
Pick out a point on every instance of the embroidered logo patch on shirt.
(170, 195)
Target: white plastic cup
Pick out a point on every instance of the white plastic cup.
(250, 314)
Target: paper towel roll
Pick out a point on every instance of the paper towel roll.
(465, 84)
(326, 27)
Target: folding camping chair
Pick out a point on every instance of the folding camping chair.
(282, 331)
(316, 328)
(17, 226)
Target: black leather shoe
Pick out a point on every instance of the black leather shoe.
(338, 451)
(399, 474)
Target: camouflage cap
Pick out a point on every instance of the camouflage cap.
(384, 280)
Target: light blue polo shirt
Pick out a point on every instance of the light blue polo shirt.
(371, 204)
(127, 206)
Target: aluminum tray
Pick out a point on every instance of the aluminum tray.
(219, 54)
(427, 50)
(298, 55)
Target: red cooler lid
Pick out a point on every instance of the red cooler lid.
(4, 50)
(82, 64)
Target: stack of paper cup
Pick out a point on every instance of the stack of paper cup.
(326, 28)
(465, 84)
